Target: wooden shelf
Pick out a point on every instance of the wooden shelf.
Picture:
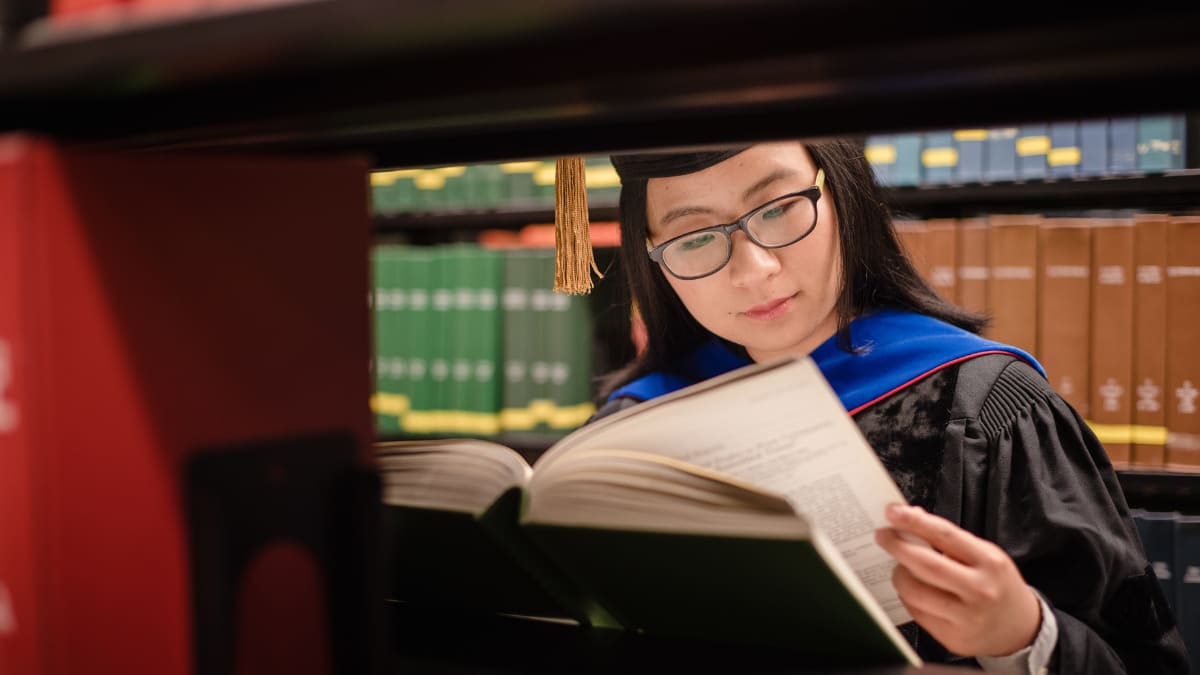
(1161, 490)
(483, 80)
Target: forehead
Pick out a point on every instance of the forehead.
(721, 187)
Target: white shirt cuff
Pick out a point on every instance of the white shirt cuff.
(1034, 659)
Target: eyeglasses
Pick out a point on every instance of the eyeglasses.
(780, 222)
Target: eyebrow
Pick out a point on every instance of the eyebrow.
(765, 182)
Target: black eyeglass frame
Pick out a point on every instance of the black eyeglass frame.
(813, 194)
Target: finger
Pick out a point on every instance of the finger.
(940, 533)
(924, 597)
(928, 565)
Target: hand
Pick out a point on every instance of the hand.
(966, 591)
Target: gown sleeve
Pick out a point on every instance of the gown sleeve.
(1023, 470)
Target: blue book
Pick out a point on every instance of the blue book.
(1159, 143)
(1093, 147)
(880, 150)
(1064, 157)
(1122, 146)
(971, 144)
(908, 160)
(1187, 590)
(1033, 144)
(1000, 155)
(939, 157)
(1157, 531)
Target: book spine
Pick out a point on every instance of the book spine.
(880, 151)
(907, 172)
(1065, 157)
(1159, 143)
(941, 240)
(972, 265)
(1063, 309)
(971, 145)
(1013, 283)
(20, 647)
(1112, 337)
(1183, 334)
(1158, 531)
(1033, 144)
(419, 334)
(1187, 587)
(1093, 147)
(1150, 341)
(462, 337)
(912, 236)
(1001, 155)
(1122, 146)
(939, 157)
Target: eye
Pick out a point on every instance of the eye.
(777, 211)
(696, 242)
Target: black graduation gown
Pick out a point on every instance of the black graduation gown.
(987, 444)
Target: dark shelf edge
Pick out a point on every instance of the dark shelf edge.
(674, 81)
(1175, 190)
(1156, 490)
(479, 219)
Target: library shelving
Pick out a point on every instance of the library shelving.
(127, 512)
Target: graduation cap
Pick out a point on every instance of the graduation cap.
(574, 261)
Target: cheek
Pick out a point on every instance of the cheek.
(702, 297)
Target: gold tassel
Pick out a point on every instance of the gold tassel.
(573, 256)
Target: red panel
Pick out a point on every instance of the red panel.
(178, 301)
(19, 620)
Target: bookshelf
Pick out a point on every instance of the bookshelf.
(687, 72)
(815, 68)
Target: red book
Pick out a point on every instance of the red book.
(168, 324)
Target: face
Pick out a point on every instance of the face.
(774, 302)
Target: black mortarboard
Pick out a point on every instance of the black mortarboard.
(574, 261)
(666, 164)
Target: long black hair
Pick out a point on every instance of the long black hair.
(875, 272)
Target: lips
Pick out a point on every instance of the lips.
(770, 310)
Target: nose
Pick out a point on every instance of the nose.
(750, 263)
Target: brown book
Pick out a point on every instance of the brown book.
(1183, 336)
(940, 255)
(1112, 337)
(972, 265)
(1013, 283)
(1064, 285)
(912, 240)
(1149, 340)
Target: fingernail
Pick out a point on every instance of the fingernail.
(894, 511)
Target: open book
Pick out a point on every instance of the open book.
(740, 509)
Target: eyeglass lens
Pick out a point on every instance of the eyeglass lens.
(777, 224)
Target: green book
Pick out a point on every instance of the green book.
(383, 347)
(459, 337)
(417, 277)
(441, 347)
(672, 518)
(569, 358)
(518, 340)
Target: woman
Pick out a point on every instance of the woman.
(787, 248)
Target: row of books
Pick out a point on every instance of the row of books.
(1172, 543)
(1109, 305)
(526, 185)
(472, 340)
(1058, 150)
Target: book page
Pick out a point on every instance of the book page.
(781, 428)
(453, 474)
